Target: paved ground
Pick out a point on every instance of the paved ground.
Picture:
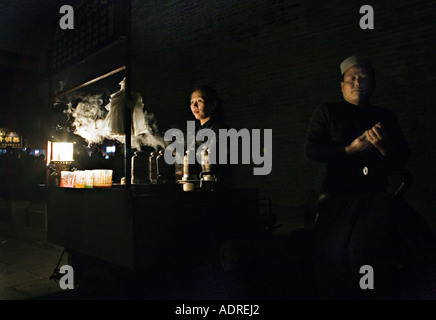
(27, 261)
(25, 268)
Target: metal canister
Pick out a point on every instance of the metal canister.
(165, 171)
(205, 165)
(140, 168)
(190, 170)
(190, 173)
(152, 167)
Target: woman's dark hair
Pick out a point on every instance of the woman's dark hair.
(210, 95)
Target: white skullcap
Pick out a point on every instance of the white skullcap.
(354, 61)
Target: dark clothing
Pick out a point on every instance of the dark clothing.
(222, 171)
(333, 127)
(355, 225)
(212, 124)
(354, 231)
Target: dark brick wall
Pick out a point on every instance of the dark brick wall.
(274, 61)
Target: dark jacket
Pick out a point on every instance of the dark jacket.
(334, 126)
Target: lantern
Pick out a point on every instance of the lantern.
(59, 158)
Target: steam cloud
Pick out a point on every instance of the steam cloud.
(95, 122)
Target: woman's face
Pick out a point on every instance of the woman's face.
(200, 109)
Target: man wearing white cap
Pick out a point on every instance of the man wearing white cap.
(357, 145)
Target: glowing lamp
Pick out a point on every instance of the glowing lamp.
(60, 152)
(59, 158)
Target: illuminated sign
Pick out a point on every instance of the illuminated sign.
(10, 139)
(110, 149)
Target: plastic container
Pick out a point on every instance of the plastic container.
(89, 179)
(102, 178)
(79, 175)
(67, 179)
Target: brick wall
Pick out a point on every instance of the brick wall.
(274, 61)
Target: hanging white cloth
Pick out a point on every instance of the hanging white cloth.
(139, 125)
(114, 121)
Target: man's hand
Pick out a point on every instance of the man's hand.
(358, 145)
(377, 137)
